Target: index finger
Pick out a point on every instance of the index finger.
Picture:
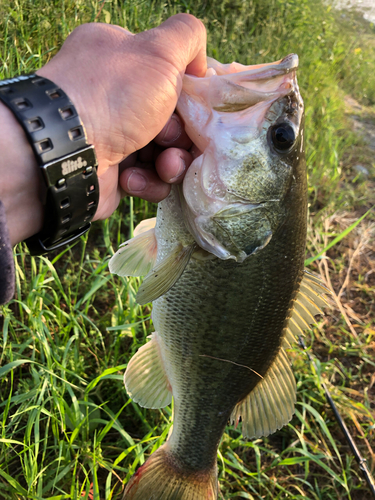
(181, 40)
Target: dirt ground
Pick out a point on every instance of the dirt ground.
(365, 6)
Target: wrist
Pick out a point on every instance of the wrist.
(57, 70)
(19, 180)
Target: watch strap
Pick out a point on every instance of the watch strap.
(68, 164)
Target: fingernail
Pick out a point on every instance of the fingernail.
(181, 169)
(136, 182)
(173, 131)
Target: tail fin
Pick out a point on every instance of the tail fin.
(162, 478)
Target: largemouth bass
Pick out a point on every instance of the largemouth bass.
(225, 272)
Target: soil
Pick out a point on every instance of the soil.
(367, 7)
(363, 119)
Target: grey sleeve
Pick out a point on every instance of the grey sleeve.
(6, 261)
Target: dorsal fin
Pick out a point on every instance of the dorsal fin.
(270, 405)
(307, 304)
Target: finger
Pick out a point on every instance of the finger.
(152, 73)
(182, 41)
(173, 134)
(109, 193)
(145, 184)
(171, 165)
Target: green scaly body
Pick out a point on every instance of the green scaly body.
(230, 311)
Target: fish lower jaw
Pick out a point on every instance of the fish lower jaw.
(222, 253)
(210, 244)
(240, 257)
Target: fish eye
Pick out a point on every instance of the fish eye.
(283, 137)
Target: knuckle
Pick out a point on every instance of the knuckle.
(192, 22)
(89, 33)
(81, 31)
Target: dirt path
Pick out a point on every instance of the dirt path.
(365, 6)
(363, 120)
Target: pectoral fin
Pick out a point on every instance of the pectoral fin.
(165, 274)
(145, 379)
(136, 256)
(270, 405)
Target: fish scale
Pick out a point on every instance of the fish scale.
(225, 278)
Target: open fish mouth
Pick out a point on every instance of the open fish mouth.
(232, 88)
(246, 120)
(257, 71)
(231, 92)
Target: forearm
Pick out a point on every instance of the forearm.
(19, 180)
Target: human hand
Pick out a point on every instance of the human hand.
(125, 88)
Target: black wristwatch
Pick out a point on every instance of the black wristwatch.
(68, 164)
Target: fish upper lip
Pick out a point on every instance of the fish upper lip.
(272, 70)
(291, 61)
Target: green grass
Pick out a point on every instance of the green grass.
(66, 422)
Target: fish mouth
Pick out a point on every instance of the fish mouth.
(255, 72)
(251, 85)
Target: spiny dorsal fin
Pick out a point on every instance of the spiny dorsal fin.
(308, 304)
(271, 404)
(136, 256)
(145, 379)
(165, 274)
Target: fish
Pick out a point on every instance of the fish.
(224, 268)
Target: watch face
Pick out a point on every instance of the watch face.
(72, 195)
(81, 163)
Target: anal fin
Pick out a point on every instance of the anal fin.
(270, 405)
(145, 378)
